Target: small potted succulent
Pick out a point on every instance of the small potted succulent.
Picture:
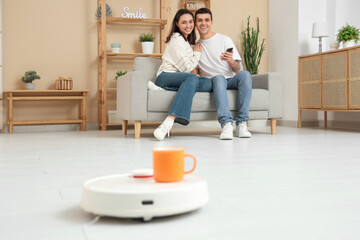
(349, 35)
(28, 78)
(119, 74)
(147, 42)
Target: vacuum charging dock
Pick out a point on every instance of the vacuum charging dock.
(127, 196)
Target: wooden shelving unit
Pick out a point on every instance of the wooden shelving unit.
(103, 55)
(46, 95)
(198, 3)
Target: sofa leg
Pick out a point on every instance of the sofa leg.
(273, 125)
(124, 126)
(137, 129)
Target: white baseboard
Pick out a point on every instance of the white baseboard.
(355, 125)
(293, 123)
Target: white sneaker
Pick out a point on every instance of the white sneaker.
(152, 86)
(164, 129)
(227, 132)
(242, 131)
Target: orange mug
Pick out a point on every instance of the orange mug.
(169, 164)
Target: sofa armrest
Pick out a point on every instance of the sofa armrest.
(273, 83)
(131, 97)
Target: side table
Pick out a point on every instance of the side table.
(46, 95)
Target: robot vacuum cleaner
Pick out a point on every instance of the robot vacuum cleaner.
(137, 195)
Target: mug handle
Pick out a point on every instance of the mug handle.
(194, 158)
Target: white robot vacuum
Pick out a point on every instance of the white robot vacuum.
(137, 195)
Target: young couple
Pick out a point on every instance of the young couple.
(204, 68)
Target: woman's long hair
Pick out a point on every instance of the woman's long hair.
(191, 38)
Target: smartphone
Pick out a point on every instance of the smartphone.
(229, 49)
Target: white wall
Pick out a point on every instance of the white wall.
(310, 11)
(283, 50)
(330, 19)
(340, 12)
(347, 11)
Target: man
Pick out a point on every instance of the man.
(221, 62)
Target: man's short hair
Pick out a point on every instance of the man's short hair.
(202, 11)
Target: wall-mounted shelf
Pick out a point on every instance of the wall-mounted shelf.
(151, 21)
(133, 55)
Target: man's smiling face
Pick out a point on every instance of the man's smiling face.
(203, 23)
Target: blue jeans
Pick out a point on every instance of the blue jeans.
(187, 84)
(242, 82)
(205, 85)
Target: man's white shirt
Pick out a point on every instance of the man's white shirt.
(210, 63)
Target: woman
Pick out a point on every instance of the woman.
(179, 60)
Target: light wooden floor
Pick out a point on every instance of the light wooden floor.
(300, 184)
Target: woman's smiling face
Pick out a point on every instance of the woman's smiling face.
(185, 24)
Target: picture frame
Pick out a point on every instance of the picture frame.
(191, 5)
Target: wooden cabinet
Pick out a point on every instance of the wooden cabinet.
(354, 78)
(310, 84)
(103, 54)
(330, 81)
(334, 81)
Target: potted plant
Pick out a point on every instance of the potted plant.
(119, 74)
(349, 35)
(252, 51)
(147, 42)
(28, 78)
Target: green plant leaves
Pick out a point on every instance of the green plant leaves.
(347, 33)
(252, 51)
(119, 74)
(30, 76)
(146, 37)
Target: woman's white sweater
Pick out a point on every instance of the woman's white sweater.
(179, 56)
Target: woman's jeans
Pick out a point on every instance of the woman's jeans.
(242, 82)
(187, 85)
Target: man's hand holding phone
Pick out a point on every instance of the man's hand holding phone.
(227, 55)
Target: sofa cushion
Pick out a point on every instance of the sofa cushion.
(259, 100)
(160, 101)
(148, 65)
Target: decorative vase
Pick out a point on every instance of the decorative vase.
(334, 46)
(147, 47)
(350, 43)
(29, 86)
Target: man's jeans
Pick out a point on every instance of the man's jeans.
(186, 84)
(242, 82)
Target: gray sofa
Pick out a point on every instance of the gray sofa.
(136, 103)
